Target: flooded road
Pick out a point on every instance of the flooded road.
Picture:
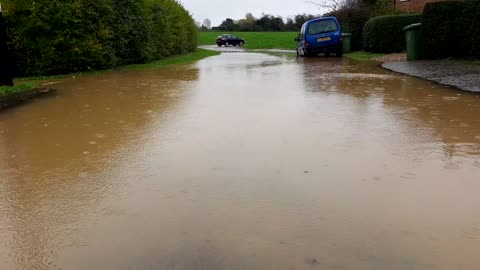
(243, 161)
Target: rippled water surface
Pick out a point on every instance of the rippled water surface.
(243, 161)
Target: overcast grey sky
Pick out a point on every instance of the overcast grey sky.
(218, 10)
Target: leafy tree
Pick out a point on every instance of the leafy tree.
(265, 23)
(290, 25)
(207, 23)
(270, 23)
(300, 19)
(229, 24)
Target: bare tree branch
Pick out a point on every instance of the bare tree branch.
(334, 5)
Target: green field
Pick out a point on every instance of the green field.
(255, 40)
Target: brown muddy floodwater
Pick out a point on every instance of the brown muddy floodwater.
(243, 161)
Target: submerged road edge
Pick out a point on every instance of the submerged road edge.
(446, 72)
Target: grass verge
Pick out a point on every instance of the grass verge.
(362, 55)
(255, 40)
(9, 90)
(173, 60)
(166, 62)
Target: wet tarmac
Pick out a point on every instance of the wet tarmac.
(243, 161)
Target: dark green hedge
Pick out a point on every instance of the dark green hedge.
(61, 36)
(352, 21)
(6, 57)
(451, 29)
(473, 34)
(384, 34)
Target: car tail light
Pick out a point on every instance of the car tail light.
(341, 38)
(307, 44)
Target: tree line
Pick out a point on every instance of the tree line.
(61, 36)
(271, 23)
(266, 23)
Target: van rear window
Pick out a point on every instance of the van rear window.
(323, 26)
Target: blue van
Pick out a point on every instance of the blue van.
(322, 35)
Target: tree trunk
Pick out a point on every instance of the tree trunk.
(6, 56)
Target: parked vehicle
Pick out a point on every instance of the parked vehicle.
(228, 39)
(322, 35)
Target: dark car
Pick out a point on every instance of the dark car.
(227, 40)
(322, 35)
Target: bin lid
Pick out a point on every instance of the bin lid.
(412, 26)
(346, 35)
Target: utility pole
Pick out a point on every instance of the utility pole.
(6, 55)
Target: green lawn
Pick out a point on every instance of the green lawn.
(255, 40)
(8, 90)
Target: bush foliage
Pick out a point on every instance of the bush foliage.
(451, 29)
(6, 63)
(352, 21)
(384, 34)
(473, 33)
(61, 36)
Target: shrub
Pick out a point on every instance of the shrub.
(445, 29)
(384, 34)
(352, 21)
(61, 36)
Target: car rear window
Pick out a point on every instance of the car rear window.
(323, 26)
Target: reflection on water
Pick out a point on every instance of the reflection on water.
(242, 161)
(427, 108)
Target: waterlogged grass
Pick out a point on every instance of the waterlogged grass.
(255, 40)
(58, 77)
(173, 60)
(8, 90)
(166, 62)
(362, 55)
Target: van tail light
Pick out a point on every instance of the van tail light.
(307, 44)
